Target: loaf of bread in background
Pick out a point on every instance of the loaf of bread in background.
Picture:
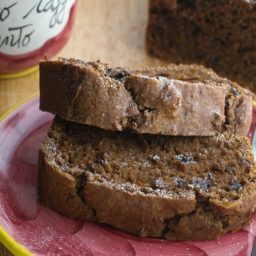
(218, 34)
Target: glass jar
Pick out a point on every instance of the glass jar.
(31, 30)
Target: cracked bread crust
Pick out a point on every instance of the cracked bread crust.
(180, 188)
(176, 100)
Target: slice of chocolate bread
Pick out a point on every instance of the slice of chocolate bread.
(181, 188)
(218, 34)
(173, 100)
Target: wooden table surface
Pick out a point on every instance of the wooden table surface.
(110, 30)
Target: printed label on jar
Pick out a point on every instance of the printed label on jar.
(27, 25)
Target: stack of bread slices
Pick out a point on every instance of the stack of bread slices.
(157, 152)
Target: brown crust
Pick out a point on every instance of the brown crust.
(192, 217)
(53, 181)
(154, 101)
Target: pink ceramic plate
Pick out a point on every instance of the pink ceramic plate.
(28, 228)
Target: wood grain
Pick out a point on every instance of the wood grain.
(110, 30)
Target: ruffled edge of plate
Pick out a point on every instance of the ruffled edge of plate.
(12, 245)
(8, 241)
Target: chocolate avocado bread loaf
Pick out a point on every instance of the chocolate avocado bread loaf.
(185, 100)
(180, 188)
(219, 34)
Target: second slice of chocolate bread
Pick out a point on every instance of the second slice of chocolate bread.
(180, 188)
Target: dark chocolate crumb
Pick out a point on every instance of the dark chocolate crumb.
(80, 181)
(229, 169)
(245, 163)
(180, 183)
(174, 221)
(235, 185)
(234, 91)
(185, 158)
(201, 183)
(162, 75)
(216, 168)
(207, 207)
(157, 183)
(117, 74)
